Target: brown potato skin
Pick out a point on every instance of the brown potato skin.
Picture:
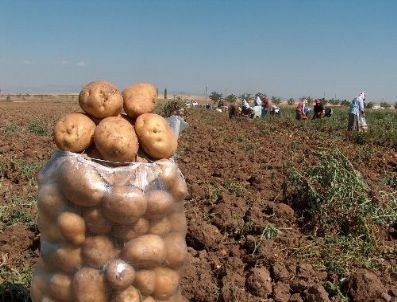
(72, 227)
(179, 190)
(65, 258)
(144, 251)
(178, 220)
(160, 227)
(145, 281)
(155, 136)
(129, 294)
(50, 201)
(81, 185)
(39, 284)
(124, 204)
(119, 274)
(159, 204)
(89, 285)
(101, 99)
(49, 230)
(166, 283)
(95, 222)
(176, 250)
(139, 98)
(60, 287)
(97, 250)
(128, 232)
(74, 132)
(115, 139)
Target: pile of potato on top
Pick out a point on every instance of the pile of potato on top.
(105, 133)
(111, 234)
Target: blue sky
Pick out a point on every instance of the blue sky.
(282, 48)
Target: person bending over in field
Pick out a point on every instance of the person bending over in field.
(318, 110)
(356, 112)
(300, 110)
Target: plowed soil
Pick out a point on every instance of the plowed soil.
(235, 172)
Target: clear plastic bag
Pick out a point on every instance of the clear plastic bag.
(110, 233)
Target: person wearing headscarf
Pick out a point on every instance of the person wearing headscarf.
(356, 111)
(300, 110)
(318, 109)
(258, 101)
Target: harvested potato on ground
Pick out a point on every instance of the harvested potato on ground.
(119, 274)
(128, 232)
(60, 287)
(62, 257)
(95, 222)
(178, 220)
(72, 227)
(49, 230)
(155, 136)
(159, 204)
(129, 294)
(97, 250)
(160, 227)
(144, 251)
(50, 201)
(116, 140)
(81, 184)
(145, 281)
(74, 132)
(101, 99)
(89, 285)
(166, 283)
(124, 204)
(139, 98)
(176, 250)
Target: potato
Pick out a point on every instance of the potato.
(72, 227)
(65, 258)
(101, 99)
(95, 222)
(139, 98)
(160, 227)
(178, 220)
(145, 281)
(148, 299)
(39, 282)
(119, 274)
(169, 172)
(176, 250)
(97, 251)
(130, 294)
(49, 230)
(128, 232)
(124, 204)
(81, 183)
(93, 153)
(144, 251)
(159, 204)
(89, 286)
(175, 298)
(74, 132)
(166, 283)
(50, 201)
(155, 136)
(60, 287)
(179, 189)
(116, 140)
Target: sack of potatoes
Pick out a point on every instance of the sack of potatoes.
(110, 203)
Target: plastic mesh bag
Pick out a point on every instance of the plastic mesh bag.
(109, 233)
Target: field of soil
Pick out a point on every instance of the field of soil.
(247, 238)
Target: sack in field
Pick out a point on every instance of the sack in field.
(362, 124)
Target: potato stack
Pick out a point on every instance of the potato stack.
(111, 233)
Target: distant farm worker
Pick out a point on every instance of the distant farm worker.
(300, 110)
(246, 106)
(318, 109)
(258, 101)
(356, 112)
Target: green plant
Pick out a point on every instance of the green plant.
(231, 98)
(165, 93)
(9, 129)
(234, 187)
(291, 101)
(38, 128)
(215, 96)
(173, 106)
(385, 105)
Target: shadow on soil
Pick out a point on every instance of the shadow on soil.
(12, 292)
